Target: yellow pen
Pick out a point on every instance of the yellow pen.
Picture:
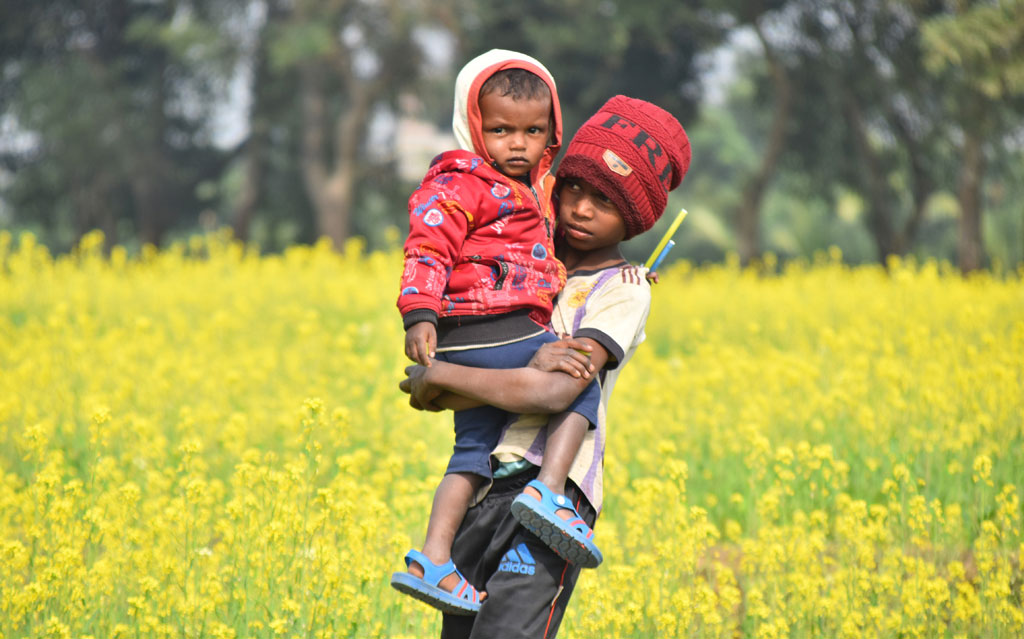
(662, 248)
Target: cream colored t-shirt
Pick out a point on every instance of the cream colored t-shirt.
(609, 306)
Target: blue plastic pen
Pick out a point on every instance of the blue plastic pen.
(661, 256)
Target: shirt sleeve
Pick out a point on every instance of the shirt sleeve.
(615, 317)
(438, 226)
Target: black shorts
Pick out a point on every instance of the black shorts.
(528, 586)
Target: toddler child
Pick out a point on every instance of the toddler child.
(478, 287)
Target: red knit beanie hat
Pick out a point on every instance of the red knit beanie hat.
(635, 153)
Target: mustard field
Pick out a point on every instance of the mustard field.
(207, 442)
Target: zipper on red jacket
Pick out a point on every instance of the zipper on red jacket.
(547, 222)
(502, 269)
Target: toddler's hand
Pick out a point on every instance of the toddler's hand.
(421, 342)
(567, 355)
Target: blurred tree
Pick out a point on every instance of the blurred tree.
(761, 16)
(872, 118)
(910, 99)
(894, 113)
(348, 58)
(981, 46)
(263, 195)
(113, 98)
(267, 106)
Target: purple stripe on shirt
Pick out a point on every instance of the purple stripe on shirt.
(591, 476)
(536, 449)
(581, 312)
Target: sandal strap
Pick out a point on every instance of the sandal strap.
(556, 502)
(465, 590)
(434, 573)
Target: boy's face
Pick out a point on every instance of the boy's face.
(516, 132)
(590, 220)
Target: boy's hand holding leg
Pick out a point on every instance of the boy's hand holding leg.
(421, 342)
(567, 355)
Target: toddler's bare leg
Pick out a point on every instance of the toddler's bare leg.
(565, 435)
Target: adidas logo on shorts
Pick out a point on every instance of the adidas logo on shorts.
(518, 560)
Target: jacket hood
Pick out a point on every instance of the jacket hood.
(467, 123)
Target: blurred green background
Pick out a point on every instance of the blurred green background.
(879, 127)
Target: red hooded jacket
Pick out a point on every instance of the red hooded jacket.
(481, 243)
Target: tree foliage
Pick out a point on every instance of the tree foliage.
(865, 118)
(115, 96)
(985, 40)
(980, 47)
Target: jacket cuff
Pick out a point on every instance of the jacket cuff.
(418, 315)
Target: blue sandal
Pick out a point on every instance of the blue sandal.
(571, 538)
(464, 600)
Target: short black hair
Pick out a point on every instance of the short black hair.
(518, 83)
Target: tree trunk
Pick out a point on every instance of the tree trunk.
(252, 184)
(255, 154)
(921, 183)
(150, 174)
(970, 249)
(150, 199)
(333, 215)
(314, 142)
(332, 190)
(255, 167)
(91, 197)
(748, 219)
(880, 199)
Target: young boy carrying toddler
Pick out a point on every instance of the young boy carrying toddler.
(478, 286)
(612, 184)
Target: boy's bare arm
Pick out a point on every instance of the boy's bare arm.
(434, 399)
(518, 390)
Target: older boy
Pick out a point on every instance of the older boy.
(612, 184)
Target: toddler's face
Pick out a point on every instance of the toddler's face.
(590, 220)
(516, 132)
